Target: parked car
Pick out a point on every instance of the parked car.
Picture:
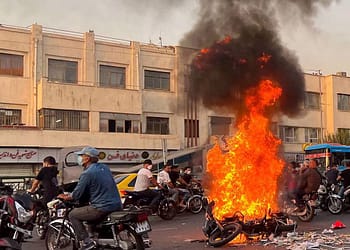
(126, 182)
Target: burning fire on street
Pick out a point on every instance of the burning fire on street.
(244, 177)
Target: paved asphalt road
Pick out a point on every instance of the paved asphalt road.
(184, 232)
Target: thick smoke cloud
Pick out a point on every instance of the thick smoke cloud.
(221, 74)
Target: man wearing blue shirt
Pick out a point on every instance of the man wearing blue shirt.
(96, 187)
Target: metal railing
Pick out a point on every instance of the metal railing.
(17, 183)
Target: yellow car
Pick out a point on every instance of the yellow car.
(126, 182)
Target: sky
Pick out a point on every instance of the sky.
(320, 43)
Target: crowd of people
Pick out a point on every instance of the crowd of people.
(305, 178)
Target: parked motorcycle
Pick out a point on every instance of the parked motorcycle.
(19, 213)
(337, 203)
(127, 229)
(166, 206)
(221, 232)
(193, 200)
(328, 198)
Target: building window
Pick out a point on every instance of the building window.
(345, 131)
(10, 117)
(122, 123)
(288, 134)
(157, 125)
(312, 134)
(68, 120)
(312, 100)
(343, 102)
(191, 128)
(220, 125)
(113, 77)
(11, 64)
(63, 71)
(157, 80)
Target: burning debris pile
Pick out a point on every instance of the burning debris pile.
(243, 68)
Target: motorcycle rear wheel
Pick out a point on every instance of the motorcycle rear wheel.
(130, 236)
(335, 205)
(310, 213)
(167, 209)
(195, 204)
(220, 238)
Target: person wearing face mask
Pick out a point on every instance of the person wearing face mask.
(144, 180)
(97, 188)
(187, 177)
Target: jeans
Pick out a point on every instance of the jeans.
(86, 213)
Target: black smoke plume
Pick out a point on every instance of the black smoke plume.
(227, 67)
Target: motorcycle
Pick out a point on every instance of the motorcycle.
(221, 232)
(328, 198)
(307, 209)
(193, 200)
(166, 206)
(338, 203)
(127, 229)
(19, 213)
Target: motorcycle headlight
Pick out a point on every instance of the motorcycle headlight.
(322, 190)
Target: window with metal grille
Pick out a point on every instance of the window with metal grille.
(10, 116)
(157, 125)
(343, 102)
(191, 128)
(62, 71)
(312, 100)
(123, 123)
(70, 120)
(157, 80)
(113, 77)
(11, 64)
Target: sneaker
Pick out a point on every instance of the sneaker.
(88, 246)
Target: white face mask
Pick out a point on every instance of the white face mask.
(188, 172)
(149, 167)
(80, 160)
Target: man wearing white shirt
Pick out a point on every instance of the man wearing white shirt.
(144, 180)
(164, 180)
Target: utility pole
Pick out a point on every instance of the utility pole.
(319, 73)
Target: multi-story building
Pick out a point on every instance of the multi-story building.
(62, 89)
(326, 111)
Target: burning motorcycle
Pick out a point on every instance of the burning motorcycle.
(221, 232)
(19, 213)
(166, 206)
(127, 229)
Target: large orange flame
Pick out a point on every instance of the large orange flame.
(244, 176)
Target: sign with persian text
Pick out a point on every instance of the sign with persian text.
(36, 155)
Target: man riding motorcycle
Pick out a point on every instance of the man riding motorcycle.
(144, 180)
(96, 187)
(308, 182)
